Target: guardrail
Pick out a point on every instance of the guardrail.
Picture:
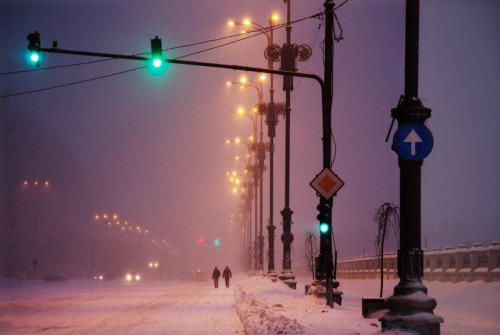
(461, 264)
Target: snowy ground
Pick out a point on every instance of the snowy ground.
(253, 305)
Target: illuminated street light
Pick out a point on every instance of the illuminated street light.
(34, 190)
(272, 53)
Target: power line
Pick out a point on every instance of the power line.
(73, 83)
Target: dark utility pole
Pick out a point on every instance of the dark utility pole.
(410, 307)
(325, 206)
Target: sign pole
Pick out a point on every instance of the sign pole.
(410, 307)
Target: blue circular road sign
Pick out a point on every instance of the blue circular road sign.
(413, 141)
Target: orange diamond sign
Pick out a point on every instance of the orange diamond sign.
(327, 183)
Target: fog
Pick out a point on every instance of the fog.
(149, 146)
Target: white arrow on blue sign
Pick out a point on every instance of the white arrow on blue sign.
(413, 141)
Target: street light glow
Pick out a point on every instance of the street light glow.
(275, 17)
(230, 22)
(247, 22)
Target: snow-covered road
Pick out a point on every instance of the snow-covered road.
(252, 305)
(115, 307)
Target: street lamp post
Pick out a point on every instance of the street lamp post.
(248, 200)
(289, 54)
(255, 175)
(37, 185)
(271, 120)
(261, 155)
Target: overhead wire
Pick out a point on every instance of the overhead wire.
(72, 83)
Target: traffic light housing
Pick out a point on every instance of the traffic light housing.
(156, 52)
(34, 47)
(324, 219)
(319, 267)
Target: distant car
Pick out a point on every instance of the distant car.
(132, 277)
(200, 275)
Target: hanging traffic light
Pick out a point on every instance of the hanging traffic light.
(156, 52)
(34, 47)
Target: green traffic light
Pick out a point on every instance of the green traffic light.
(156, 51)
(157, 62)
(324, 228)
(216, 242)
(34, 57)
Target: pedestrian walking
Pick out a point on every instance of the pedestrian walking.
(215, 277)
(227, 274)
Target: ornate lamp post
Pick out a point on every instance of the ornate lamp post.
(256, 177)
(289, 53)
(247, 197)
(271, 111)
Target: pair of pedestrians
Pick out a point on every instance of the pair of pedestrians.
(226, 274)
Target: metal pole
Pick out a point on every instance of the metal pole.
(326, 241)
(410, 255)
(261, 188)
(192, 63)
(271, 227)
(287, 212)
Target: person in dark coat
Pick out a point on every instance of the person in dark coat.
(215, 277)
(227, 274)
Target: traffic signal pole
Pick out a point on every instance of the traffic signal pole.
(186, 62)
(325, 206)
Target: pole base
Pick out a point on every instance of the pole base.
(318, 289)
(412, 312)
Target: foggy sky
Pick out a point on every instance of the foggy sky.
(153, 145)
